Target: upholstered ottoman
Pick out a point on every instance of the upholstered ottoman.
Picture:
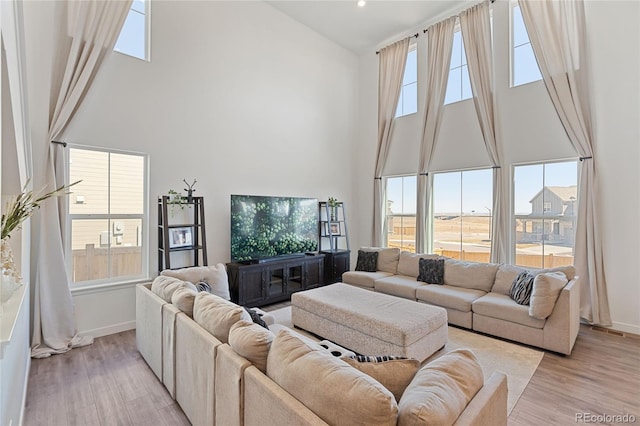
(370, 323)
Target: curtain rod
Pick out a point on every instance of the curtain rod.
(64, 144)
(416, 35)
(491, 1)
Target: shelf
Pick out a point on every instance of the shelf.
(184, 225)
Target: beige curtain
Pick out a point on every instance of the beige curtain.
(439, 44)
(392, 60)
(87, 33)
(476, 33)
(557, 33)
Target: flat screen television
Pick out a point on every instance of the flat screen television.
(265, 227)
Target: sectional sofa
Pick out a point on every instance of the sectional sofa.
(223, 369)
(476, 296)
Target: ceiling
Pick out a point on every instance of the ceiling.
(361, 28)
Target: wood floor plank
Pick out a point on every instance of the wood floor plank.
(109, 383)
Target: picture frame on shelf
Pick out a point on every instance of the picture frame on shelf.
(332, 229)
(181, 237)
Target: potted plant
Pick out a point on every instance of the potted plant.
(333, 208)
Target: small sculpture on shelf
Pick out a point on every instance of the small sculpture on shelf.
(190, 189)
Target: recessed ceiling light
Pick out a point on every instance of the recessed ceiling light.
(361, 3)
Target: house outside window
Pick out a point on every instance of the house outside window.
(545, 212)
(408, 101)
(107, 217)
(524, 67)
(134, 35)
(401, 212)
(462, 210)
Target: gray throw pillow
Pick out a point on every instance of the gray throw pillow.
(431, 271)
(521, 288)
(367, 261)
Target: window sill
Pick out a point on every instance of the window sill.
(98, 288)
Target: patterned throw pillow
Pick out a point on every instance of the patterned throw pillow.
(255, 317)
(367, 261)
(521, 288)
(431, 271)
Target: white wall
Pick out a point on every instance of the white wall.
(532, 132)
(238, 96)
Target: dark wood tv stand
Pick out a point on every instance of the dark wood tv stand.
(259, 284)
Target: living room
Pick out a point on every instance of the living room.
(247, 100)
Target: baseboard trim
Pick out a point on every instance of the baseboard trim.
(627, 328)
(110, 329)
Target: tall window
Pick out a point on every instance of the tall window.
(134, 36)
(461, 221)
(545, 210)
(401, 212)
(107, 216)
(459, 85)
(408, 101)
(524, 67)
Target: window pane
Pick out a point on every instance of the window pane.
(456, 51)
(447, 207)
(399, 108)
(525, 66)
(466, 83)
(132, 39)
(401, 212)
(127, 184)
(410, 99)
(477, 203)
(138, 6)
(520, 35)
(453, 86)
(90, 239)
(126, 248)
(411, 68)
(91, 195)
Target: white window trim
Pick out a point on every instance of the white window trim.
(94, 285)
(147, 34)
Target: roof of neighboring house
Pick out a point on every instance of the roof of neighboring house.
(565, 193)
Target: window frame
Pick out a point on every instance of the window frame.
(147, 33)
(512, 57)
(413, 47)
(81, 286)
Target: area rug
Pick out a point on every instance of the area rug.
(517, 362)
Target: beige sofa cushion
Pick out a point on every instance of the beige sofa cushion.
(503, 307)
(546, 289)
(215, 276)
(387, 258)
(395, 374)
(363, 279)
(328, 386)
(448, 296)
(475, 275)
(217, 315)
(507, 273)
(441, 390)
(398, 285)
(409, 263)
(183, 299)
(252, 342)
(164, 286)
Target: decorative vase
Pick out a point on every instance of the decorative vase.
(10, 278)
(334, 214)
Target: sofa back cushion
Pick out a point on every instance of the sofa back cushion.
(441, 390)
(409, 263)
(217, 315)
(546, 289)
(164, 287)
(215, 276)
(507, 274)
(393, 374)
(473, 275)
(183, 299)
(328, 386)
(387, 258)
(252, 342)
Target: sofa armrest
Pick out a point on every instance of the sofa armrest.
(489, 405)
(562, 326)
(149, 327)
(266, 403)
(229, 389)
(169, 315)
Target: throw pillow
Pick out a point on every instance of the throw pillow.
(367, 261)
(545, 292)
(431, 271)
(183, 299)
(256, 318)
(215, 276)
(440, 391)
(203, 286)
(164, 287)
(394, 373)
(521, 288)
(328, 386)
(217, 315)
(251, 341)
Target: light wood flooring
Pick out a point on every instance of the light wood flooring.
(109, 383)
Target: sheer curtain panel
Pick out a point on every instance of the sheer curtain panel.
(557, 33)
(391, 62)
